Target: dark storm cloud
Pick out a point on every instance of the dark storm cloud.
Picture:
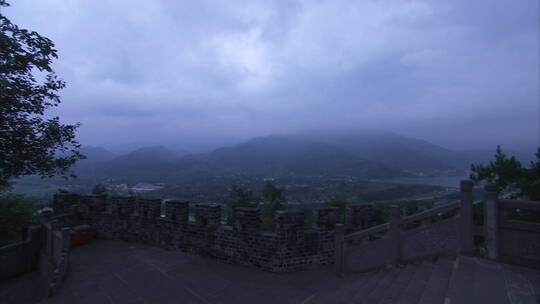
(459, 73)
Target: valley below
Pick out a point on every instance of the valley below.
(312, 169)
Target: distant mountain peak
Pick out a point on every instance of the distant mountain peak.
(149, 154)
(97, 154)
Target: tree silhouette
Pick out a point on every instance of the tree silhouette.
(30, 143)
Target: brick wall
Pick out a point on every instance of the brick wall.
(289, 248)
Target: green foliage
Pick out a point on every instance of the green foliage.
(411, 208)
(239, 198)
(531, 182)
(274, 197)
(269, 213)
(272, 193)
(15, 214)
(267, 223)
(341, 204)
(30, 142)
(99, 189)
(509, 176)
(242, 197)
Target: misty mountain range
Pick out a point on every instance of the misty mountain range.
(360, 154)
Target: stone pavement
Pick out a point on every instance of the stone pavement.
(119, 272)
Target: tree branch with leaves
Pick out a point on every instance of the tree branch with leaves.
(508, 175)
(31, 143)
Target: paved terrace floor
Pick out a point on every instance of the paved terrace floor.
(119, 272)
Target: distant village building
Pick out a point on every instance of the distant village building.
(141, 187)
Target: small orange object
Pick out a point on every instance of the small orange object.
(81, 236)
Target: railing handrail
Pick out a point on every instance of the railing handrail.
(432, 212)
(369, 231)
(384, 227)
(519, 204)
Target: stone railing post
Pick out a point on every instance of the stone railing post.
(338, 254)
(466, 197)
(395, 226)
(491, 222)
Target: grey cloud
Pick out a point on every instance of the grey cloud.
(459, 73)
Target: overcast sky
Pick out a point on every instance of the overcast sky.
(460, 73)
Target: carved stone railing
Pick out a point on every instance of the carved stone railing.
(21, 257)
(54, 256)
(511, 240)
(443, 229)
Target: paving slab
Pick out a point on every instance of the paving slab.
(398, 286)
(461, 287)
(437, 285)
(382, 287)
(489, 284)
(113, 272)
(417, 284)
(27, 288)
(122, 272)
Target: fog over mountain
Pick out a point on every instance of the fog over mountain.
(365, 155)
(198, 75)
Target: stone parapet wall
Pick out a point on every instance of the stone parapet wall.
(289, 248)
(359, 217)
(54, 255)
(21, 257)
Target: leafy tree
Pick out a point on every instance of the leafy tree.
(531, 182)
(505, 173)
(511, 179)
(99, 189)
(239, 198)
(509, 176)
(30, 143)
(272, 193)
(15, 214)
(242, 197)
(411, 208)
(275, 197)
